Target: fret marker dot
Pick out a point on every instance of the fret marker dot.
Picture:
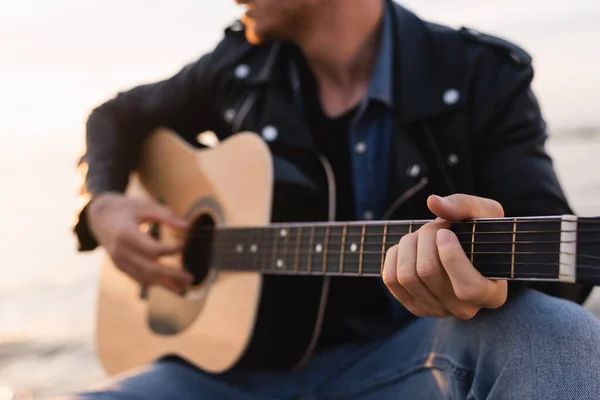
(239, 248)
(253, 248)
(283, 232)
(318, 248)
(279, 263)
(353, 247)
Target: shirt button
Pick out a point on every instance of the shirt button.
(452, 159)
(414, 170)
(269, 133)
(242, 71)
(368, 215)
(237, 26)
(451, 96)
(360, 148)
(229, 115)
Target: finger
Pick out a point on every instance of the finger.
(429, 267)
(154, 212)
(406, 274)
(126, 266)
(149, 246)
(468, 283)
(434, 276)
(459, 207)
(154, 273)
(390, 279)
(132, 267)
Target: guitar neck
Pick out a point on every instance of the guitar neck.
(526, 248)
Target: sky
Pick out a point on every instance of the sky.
(60, 58)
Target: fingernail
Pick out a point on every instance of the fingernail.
(441, 199)
(444, 236)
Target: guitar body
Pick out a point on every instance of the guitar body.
(229, 319)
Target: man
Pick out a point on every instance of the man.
(415, 120)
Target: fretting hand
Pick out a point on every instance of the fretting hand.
(429, 272)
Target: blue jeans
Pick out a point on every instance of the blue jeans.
(534, 347)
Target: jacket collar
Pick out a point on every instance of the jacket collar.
(421, 58)
(429, 79)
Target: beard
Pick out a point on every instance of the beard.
(251, 36)
(257, 36)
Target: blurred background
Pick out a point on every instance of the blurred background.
(60, 58)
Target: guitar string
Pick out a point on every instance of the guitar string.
(323, 233)
(369, 269)
(351, 234)
(486, 221)
(372, 265)
(261, 244)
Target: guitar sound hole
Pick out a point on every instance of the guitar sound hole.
(196, 255)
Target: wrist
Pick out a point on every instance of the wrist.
(99, 201)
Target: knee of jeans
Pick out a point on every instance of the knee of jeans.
(560, 321)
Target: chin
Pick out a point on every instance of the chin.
(256, 34)
(252, 37)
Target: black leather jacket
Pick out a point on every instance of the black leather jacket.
(490, 142)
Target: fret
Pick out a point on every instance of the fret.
(326, 242)
(283, 234)
(362, 242)
(490, 247)
(265, 250)
(383, 250)
(352, 249)
(514, 242)
(537, 249)
(305, 253)
(237, 242)
(473, 240)
(464, 231)
(318, 250)
(245, 258)
(256, 248)
(372, 246)
(293, 252)
(343, 249)
(239, 246)
(332, 249)
(395, 232)
(275, 236)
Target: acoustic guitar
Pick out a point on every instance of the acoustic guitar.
(232, 249)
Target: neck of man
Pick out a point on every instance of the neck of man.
(341, 43)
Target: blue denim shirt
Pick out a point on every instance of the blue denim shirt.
(371, 131)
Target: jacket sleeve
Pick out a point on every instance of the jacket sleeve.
(115, 131)
(512, 164)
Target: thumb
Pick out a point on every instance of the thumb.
(154, 212)
(458, 207)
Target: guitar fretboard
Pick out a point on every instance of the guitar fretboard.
(520, 248)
